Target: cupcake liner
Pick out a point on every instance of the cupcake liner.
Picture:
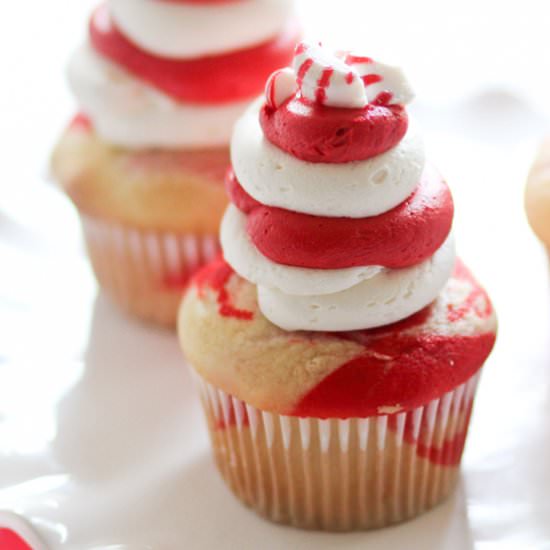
(145, 272)
(339, 475)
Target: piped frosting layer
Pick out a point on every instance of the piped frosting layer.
(336, 217)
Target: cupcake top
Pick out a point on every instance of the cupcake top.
(335, 215)
(178, 73)
(339, 294)
(395, 368)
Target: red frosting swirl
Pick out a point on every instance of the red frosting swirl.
(211, 79)
(406, 235)
(317, 133)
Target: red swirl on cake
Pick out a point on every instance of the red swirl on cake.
(211, 79)
(398, 367)
(406, 235)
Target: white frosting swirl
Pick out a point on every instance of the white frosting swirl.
(297, 298)
(354, 189)
(251, 264)
(195, 30)
(389, 296)
(127, 112)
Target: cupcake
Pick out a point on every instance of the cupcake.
(537, 195)
(159, 86)
(338, 342)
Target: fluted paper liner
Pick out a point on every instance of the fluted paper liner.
(339, 475)
(144, 272)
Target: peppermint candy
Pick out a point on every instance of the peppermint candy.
(326, 79)
(382, 82)
(280, 86)
(338, 80)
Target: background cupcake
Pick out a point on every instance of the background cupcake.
(159, 85)
(537, 195)
(338, 344)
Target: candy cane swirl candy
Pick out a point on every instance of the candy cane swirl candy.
(324, 78)
(280, 86)
(348, 80)
(382, 81)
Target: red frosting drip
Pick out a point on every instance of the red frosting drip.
(407, 235)
(216, 276)
(213, 79)
(316, 133)
(399, 368)
(9, 540)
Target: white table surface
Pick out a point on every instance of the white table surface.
(102, 444)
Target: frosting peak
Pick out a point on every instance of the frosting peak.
(324, 78)
(344, 80)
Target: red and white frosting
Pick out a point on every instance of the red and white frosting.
(336, 217)
(165, 73)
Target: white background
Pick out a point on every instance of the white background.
(101, 440)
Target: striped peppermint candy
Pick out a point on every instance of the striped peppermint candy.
(383, 83)
(338, 80)
(326, 79)
(281, 85)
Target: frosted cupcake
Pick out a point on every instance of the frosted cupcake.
(160, 84)
(338, 343)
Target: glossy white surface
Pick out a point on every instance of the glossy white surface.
(101, 441)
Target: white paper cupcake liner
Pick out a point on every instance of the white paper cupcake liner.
(357, 473)
(145, 271)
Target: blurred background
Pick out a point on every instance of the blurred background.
(481, 70)
(475, 59)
